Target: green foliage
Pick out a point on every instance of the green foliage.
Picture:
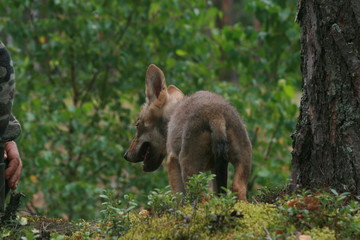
(335, 211)
(320, 215)
(197, 209)
(80, 69)
(197, 187)
(221, 213)
(117, 212)
(163, 200)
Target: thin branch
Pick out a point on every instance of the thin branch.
(254, 199)
(96, 171)
(268, 236)
(268, 150)
(104, 86)
(73, 81)
(254, 138)
(128, 21)
(89, 86)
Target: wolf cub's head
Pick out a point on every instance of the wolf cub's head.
(149, 144)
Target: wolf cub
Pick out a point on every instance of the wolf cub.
(199, 133)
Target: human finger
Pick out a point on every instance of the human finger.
(13, 159)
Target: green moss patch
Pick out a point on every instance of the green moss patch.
(202, 215)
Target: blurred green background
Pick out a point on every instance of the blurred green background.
(80, 68)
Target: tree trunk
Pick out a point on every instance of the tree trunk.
(326, 147)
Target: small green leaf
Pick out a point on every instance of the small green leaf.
(180, 52)
(334, 192)
(104, 196)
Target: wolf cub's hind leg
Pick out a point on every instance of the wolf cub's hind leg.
(174, 174)
(240, 181)
(195, 154)
(240, 157)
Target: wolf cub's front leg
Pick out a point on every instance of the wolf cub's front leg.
(174, 174)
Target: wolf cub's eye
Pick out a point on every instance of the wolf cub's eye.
(138, 124)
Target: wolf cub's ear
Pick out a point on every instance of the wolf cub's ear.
(155, 82)
(175, 92)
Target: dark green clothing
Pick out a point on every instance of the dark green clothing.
(9, 126)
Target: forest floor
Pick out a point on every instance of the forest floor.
(303, 215)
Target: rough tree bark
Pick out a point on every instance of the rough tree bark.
(326, 146)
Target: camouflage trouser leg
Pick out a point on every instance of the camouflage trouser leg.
(9, 126)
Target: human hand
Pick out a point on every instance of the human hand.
(12, 157)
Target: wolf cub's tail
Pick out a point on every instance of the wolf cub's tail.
(220, 149)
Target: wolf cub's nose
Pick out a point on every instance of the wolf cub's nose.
(126, 156)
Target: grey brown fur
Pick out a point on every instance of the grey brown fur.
(203, 133)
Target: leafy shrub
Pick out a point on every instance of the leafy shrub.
(197, 187)
(335, 211)
(163, 200)
(116, 213)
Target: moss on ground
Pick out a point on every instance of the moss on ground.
(254, 221)
(201, 215)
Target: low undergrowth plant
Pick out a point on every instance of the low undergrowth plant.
(221, 213)
(116, 213)
(200, 214)
(309, 210)
(162, 201)
(197, 188)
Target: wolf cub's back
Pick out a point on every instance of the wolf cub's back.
(194, 114)
(201, 107)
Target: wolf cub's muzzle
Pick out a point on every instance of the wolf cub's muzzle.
(146, 154)
(142, 155)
